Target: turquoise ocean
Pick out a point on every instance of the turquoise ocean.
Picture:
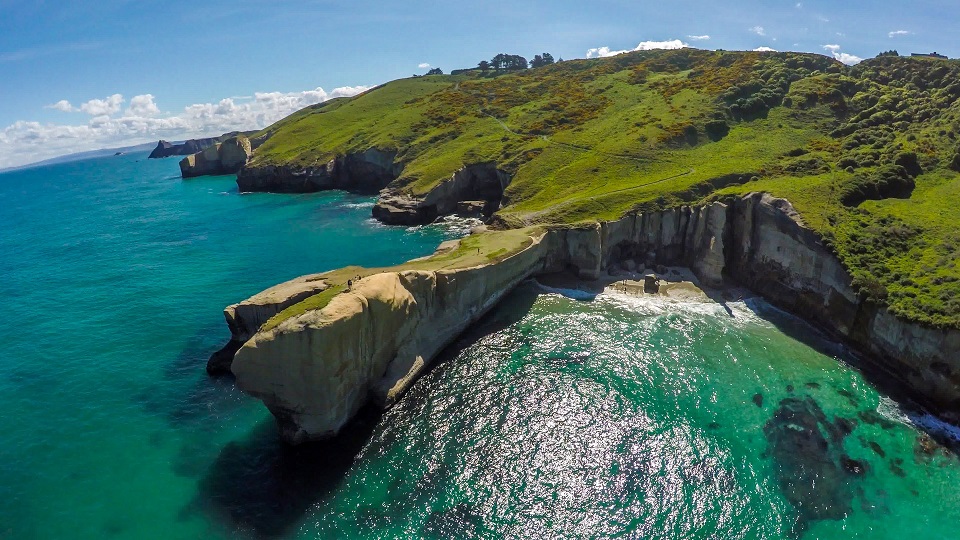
(559, 416)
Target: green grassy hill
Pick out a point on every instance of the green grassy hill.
(867, 154)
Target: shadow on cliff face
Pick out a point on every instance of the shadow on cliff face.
(263, 487)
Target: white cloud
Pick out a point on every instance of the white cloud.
(897, 33)
(142, 106)
(602, 52)
(62, 105)
(423, 65)
(759, 30)
(108, 106)
(846, 58)
(765, 49)
(799, 5)
(24, 141)
(699, 38)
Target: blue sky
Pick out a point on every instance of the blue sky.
(78, 76)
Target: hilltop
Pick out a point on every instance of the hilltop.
(868, 154)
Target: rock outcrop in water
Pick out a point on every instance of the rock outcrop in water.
(227, 157)
(315, 370)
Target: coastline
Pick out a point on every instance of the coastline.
(405, 315)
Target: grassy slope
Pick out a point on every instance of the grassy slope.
(593, 139)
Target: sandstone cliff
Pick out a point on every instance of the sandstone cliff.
(227, 157)
(245, 318)
(315, 370)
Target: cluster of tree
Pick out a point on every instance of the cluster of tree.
(889, 53)
(434, 71)
(541, 60)
(509, 62)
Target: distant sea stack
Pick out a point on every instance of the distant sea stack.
(167, 149)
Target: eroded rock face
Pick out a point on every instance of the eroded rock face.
(774, 254)
(375, 171)
(316, 370)
(234, 153)
(481, 182)
(245, 318)
(222, 158)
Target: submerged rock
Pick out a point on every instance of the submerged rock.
(814, 474)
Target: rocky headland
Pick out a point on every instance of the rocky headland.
(186, 148)
(315, 363)
(227, 157)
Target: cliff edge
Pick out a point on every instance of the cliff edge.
(315, 365)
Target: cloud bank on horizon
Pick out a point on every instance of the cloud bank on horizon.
(110, 125)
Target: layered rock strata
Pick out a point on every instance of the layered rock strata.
(314, 371)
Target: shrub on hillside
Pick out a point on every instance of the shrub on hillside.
(886, 182)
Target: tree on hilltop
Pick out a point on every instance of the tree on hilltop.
(435, 71)
(483, 65)
(541, 60)
(889, 53)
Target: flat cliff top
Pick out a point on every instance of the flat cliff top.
(868, 154)
(474, 250)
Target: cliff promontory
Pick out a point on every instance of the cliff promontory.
(316, 365)
(683, 157)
